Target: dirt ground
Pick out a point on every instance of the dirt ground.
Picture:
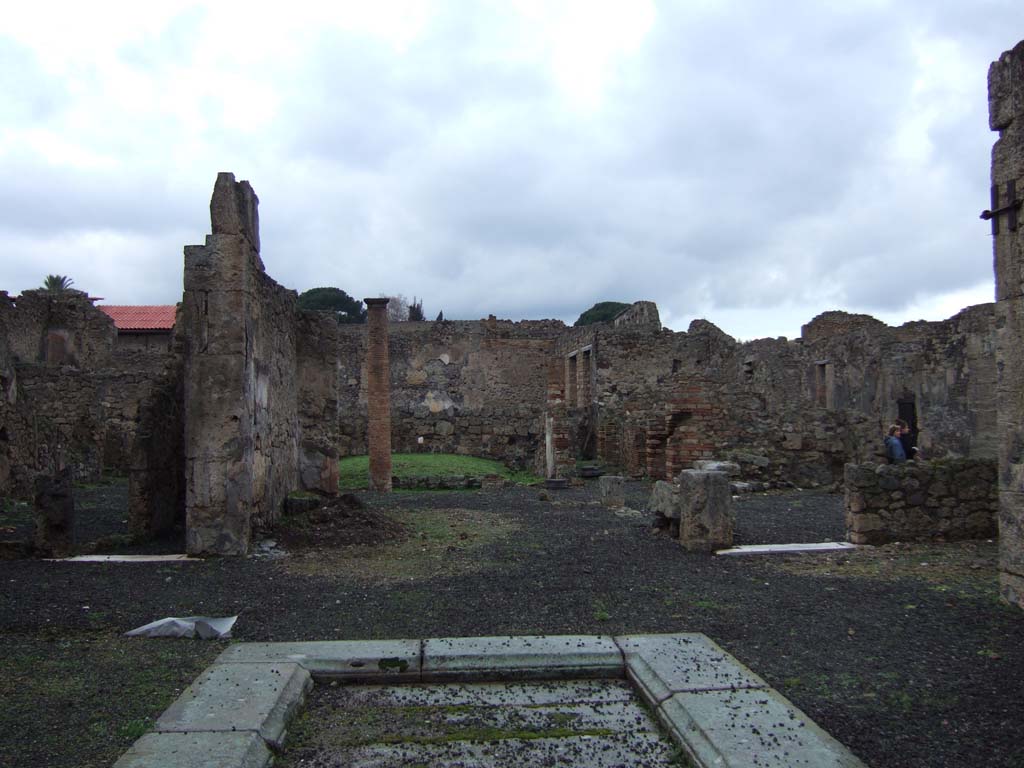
(904, 653)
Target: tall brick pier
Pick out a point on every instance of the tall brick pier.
(378, 395)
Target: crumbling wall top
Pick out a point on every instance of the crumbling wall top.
(234, 209)
(640, 313)
(835, 323)
(1006, 88)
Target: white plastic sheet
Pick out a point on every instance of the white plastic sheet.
(205, 627)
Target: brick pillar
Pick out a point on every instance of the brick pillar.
(1006, 115)
(378, 395)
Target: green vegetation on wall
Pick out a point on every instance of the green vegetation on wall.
(602, 312)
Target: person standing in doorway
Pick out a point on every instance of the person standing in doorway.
(893, 447)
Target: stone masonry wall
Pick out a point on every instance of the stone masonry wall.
(470, 387)
(921, 501)
(1006, 115)
(241, 418)
(318, 381)
(71, 396)
(156, 473)
(785, 410)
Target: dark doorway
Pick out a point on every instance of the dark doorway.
(907, 409)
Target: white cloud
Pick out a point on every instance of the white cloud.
(751, 164)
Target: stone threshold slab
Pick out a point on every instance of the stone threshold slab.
(771, 549)
(696, 689)
(126, 559)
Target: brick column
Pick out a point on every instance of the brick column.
(378, 395)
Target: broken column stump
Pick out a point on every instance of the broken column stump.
(54, 514)
(705, 510)
(613, 490)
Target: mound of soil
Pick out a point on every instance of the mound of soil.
(342, 521)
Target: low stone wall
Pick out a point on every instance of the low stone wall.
(921, 501)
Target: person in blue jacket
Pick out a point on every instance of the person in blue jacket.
(893, 447)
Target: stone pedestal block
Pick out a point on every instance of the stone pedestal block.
(613, 490)
(55, 514)
(705, 510)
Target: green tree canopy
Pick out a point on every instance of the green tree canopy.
(601, 312)
(345, 308)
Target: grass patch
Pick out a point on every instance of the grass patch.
(441, 542)
(105, 480)
(353, 471)
(14, 513)
(82, 698)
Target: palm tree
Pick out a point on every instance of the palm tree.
(57, 283)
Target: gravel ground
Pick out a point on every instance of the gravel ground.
(903, 653)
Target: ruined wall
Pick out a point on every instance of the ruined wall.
(318, 380)
(240, 393)
(71, 397)
(1006, 115)
(156, 471)
(921, 501)
(643, 313)
(60, 329)
(651, 401)
(471, 387)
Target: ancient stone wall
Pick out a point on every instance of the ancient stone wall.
(471, 387)
(60, 329)
(651, 401)
(644, 313)
(70, 397)
(318, 380)
(1006, 115)
(921, 501)
(156, 472)
(240, 393)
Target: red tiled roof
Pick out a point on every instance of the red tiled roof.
(141, 317)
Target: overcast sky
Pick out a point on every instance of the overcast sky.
(752, 163)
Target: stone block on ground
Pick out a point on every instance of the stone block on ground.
(664, 500)
(750, 727)
(705, 510)
(492, 483)
(497, 658)
(663, 665)
(351, 660)
(240, 697)
(613, 490)
(244, 749)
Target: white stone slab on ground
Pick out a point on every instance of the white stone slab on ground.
(550, 656)
(127, 559)
(771, 549)
(357, 660)
(240, 697)
(663, 665)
